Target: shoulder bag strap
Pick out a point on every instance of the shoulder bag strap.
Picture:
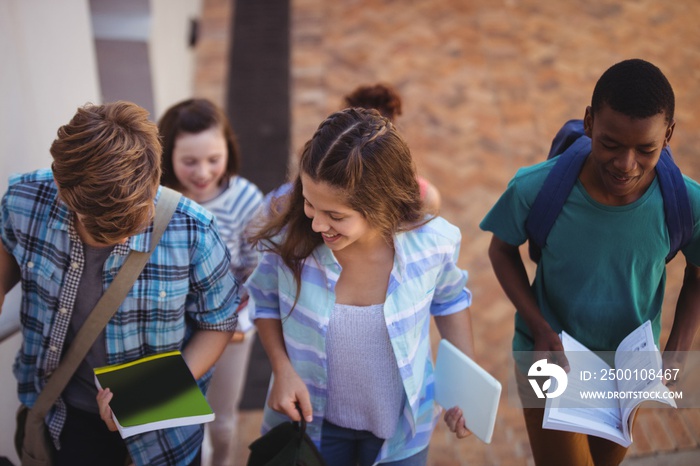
(106, 306)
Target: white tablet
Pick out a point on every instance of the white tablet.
(459, 381)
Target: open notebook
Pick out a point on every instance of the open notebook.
(459, 381)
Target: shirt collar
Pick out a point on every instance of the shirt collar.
(142, 241)
(61, 218)
(325, 257)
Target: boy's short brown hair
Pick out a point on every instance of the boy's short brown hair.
(106, 164)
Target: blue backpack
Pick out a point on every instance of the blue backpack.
(571, 147)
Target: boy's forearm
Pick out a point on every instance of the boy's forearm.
(511, 274)
(510, 271)
(204, 349)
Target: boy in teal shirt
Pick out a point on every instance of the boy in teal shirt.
(602, 272)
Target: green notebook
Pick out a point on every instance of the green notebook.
(155, 392)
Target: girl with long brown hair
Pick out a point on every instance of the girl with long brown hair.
(351, 271)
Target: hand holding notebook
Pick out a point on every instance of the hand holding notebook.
(155, 392)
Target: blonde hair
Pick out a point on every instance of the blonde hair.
(107, 168)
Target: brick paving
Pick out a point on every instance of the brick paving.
(486, 83)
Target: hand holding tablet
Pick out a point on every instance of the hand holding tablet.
(459, 381)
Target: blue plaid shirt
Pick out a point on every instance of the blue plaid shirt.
(425, 281)
(185, 286)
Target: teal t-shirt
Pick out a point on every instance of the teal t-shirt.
(603, 270)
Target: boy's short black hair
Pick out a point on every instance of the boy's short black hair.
(635, 88)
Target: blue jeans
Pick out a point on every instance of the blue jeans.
(348, 447)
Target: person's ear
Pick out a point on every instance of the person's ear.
(669, 132)
(588, 122)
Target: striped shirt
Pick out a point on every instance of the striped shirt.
(234, 210)
(424, 281)
(185, 286)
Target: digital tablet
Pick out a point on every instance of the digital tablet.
(459, 381)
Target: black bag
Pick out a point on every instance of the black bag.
(285, 445)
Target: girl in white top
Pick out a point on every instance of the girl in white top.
(352, 271)
(201, 160)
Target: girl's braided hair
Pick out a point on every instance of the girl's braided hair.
(360, 153)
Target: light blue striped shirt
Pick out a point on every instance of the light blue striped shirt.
(424, 281)
(234, 210)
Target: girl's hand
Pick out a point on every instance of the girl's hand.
(103, 399)
(288, 391)
(456, 423)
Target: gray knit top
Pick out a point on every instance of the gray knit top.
(365, 390)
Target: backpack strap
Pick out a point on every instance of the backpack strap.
(562, 178)
(677, 210)
(567, 135)
(553, 194)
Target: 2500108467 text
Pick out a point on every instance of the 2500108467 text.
(630, 374)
